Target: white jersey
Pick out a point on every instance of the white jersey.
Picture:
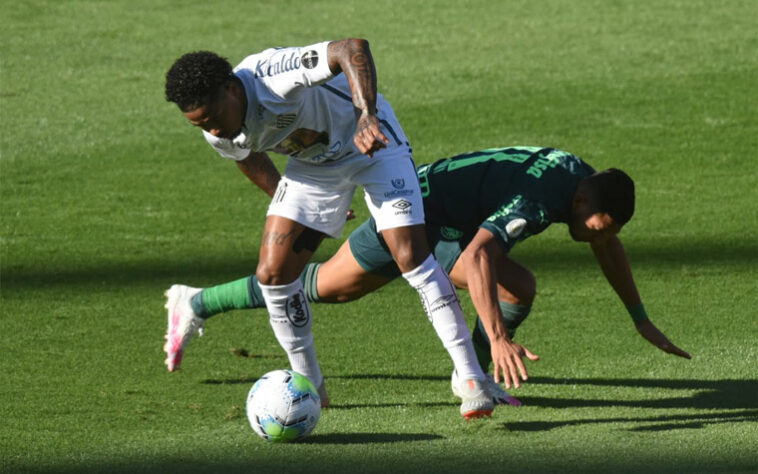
(295, 107)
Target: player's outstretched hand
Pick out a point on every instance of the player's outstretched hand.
(368, 136)
(507, 358)
(648, 330)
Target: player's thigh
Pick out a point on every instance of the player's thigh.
(285, 249)
(342, 278)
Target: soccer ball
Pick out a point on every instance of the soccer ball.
(283, 406)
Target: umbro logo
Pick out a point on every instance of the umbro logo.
(402, 205)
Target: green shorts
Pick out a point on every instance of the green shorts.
(371, 252)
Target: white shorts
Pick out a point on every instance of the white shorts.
(319, 196)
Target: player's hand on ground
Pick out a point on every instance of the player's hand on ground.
(368, 136)
(648, 330)
(507, 358)
(350, 215)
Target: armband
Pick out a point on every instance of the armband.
(638, 313)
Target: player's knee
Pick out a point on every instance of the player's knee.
(521, 291)
(408, 258)
(271, 275)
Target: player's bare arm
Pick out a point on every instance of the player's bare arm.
(259, 169)
(610, 254)
(353, 58)
(479, 260)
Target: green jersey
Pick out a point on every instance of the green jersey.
(512, 192)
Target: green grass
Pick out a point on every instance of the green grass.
(108, 197)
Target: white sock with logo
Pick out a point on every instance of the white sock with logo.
(442, 306)
(291, 319)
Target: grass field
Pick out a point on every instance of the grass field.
(109, 196)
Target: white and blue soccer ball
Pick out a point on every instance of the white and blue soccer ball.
(283, 406)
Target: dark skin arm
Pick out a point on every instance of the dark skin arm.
(612, 258)
(259, 169)
(353, 58)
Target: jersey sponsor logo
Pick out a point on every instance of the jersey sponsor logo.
(277, 64)
(515, 227)
(310, 145)
(297, 309)
(310, 59)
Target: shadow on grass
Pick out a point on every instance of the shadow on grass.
(657, 423)
(710, 395)
(368, 438)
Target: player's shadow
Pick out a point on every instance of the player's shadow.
(652, 423)
(709, 395)
(366, 438)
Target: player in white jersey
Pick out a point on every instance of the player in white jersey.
(318, 105)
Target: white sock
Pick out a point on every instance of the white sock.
(443, 308)
(291, 319)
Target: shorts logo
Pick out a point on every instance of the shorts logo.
(403, 207)
(448, 233)
(281, 190)
(399, 185)
(297, 309)
(310, 59)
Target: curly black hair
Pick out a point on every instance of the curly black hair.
(195, 77)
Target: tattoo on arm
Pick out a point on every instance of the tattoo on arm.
(353, 57)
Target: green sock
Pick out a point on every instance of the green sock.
(227, 296)
(245, 293)
(513, 316)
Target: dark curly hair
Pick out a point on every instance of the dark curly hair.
(195, 77)
(612, 192)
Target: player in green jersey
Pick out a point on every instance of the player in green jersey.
(477, 206)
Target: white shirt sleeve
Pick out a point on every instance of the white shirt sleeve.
(286, 71)
(226, 148)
